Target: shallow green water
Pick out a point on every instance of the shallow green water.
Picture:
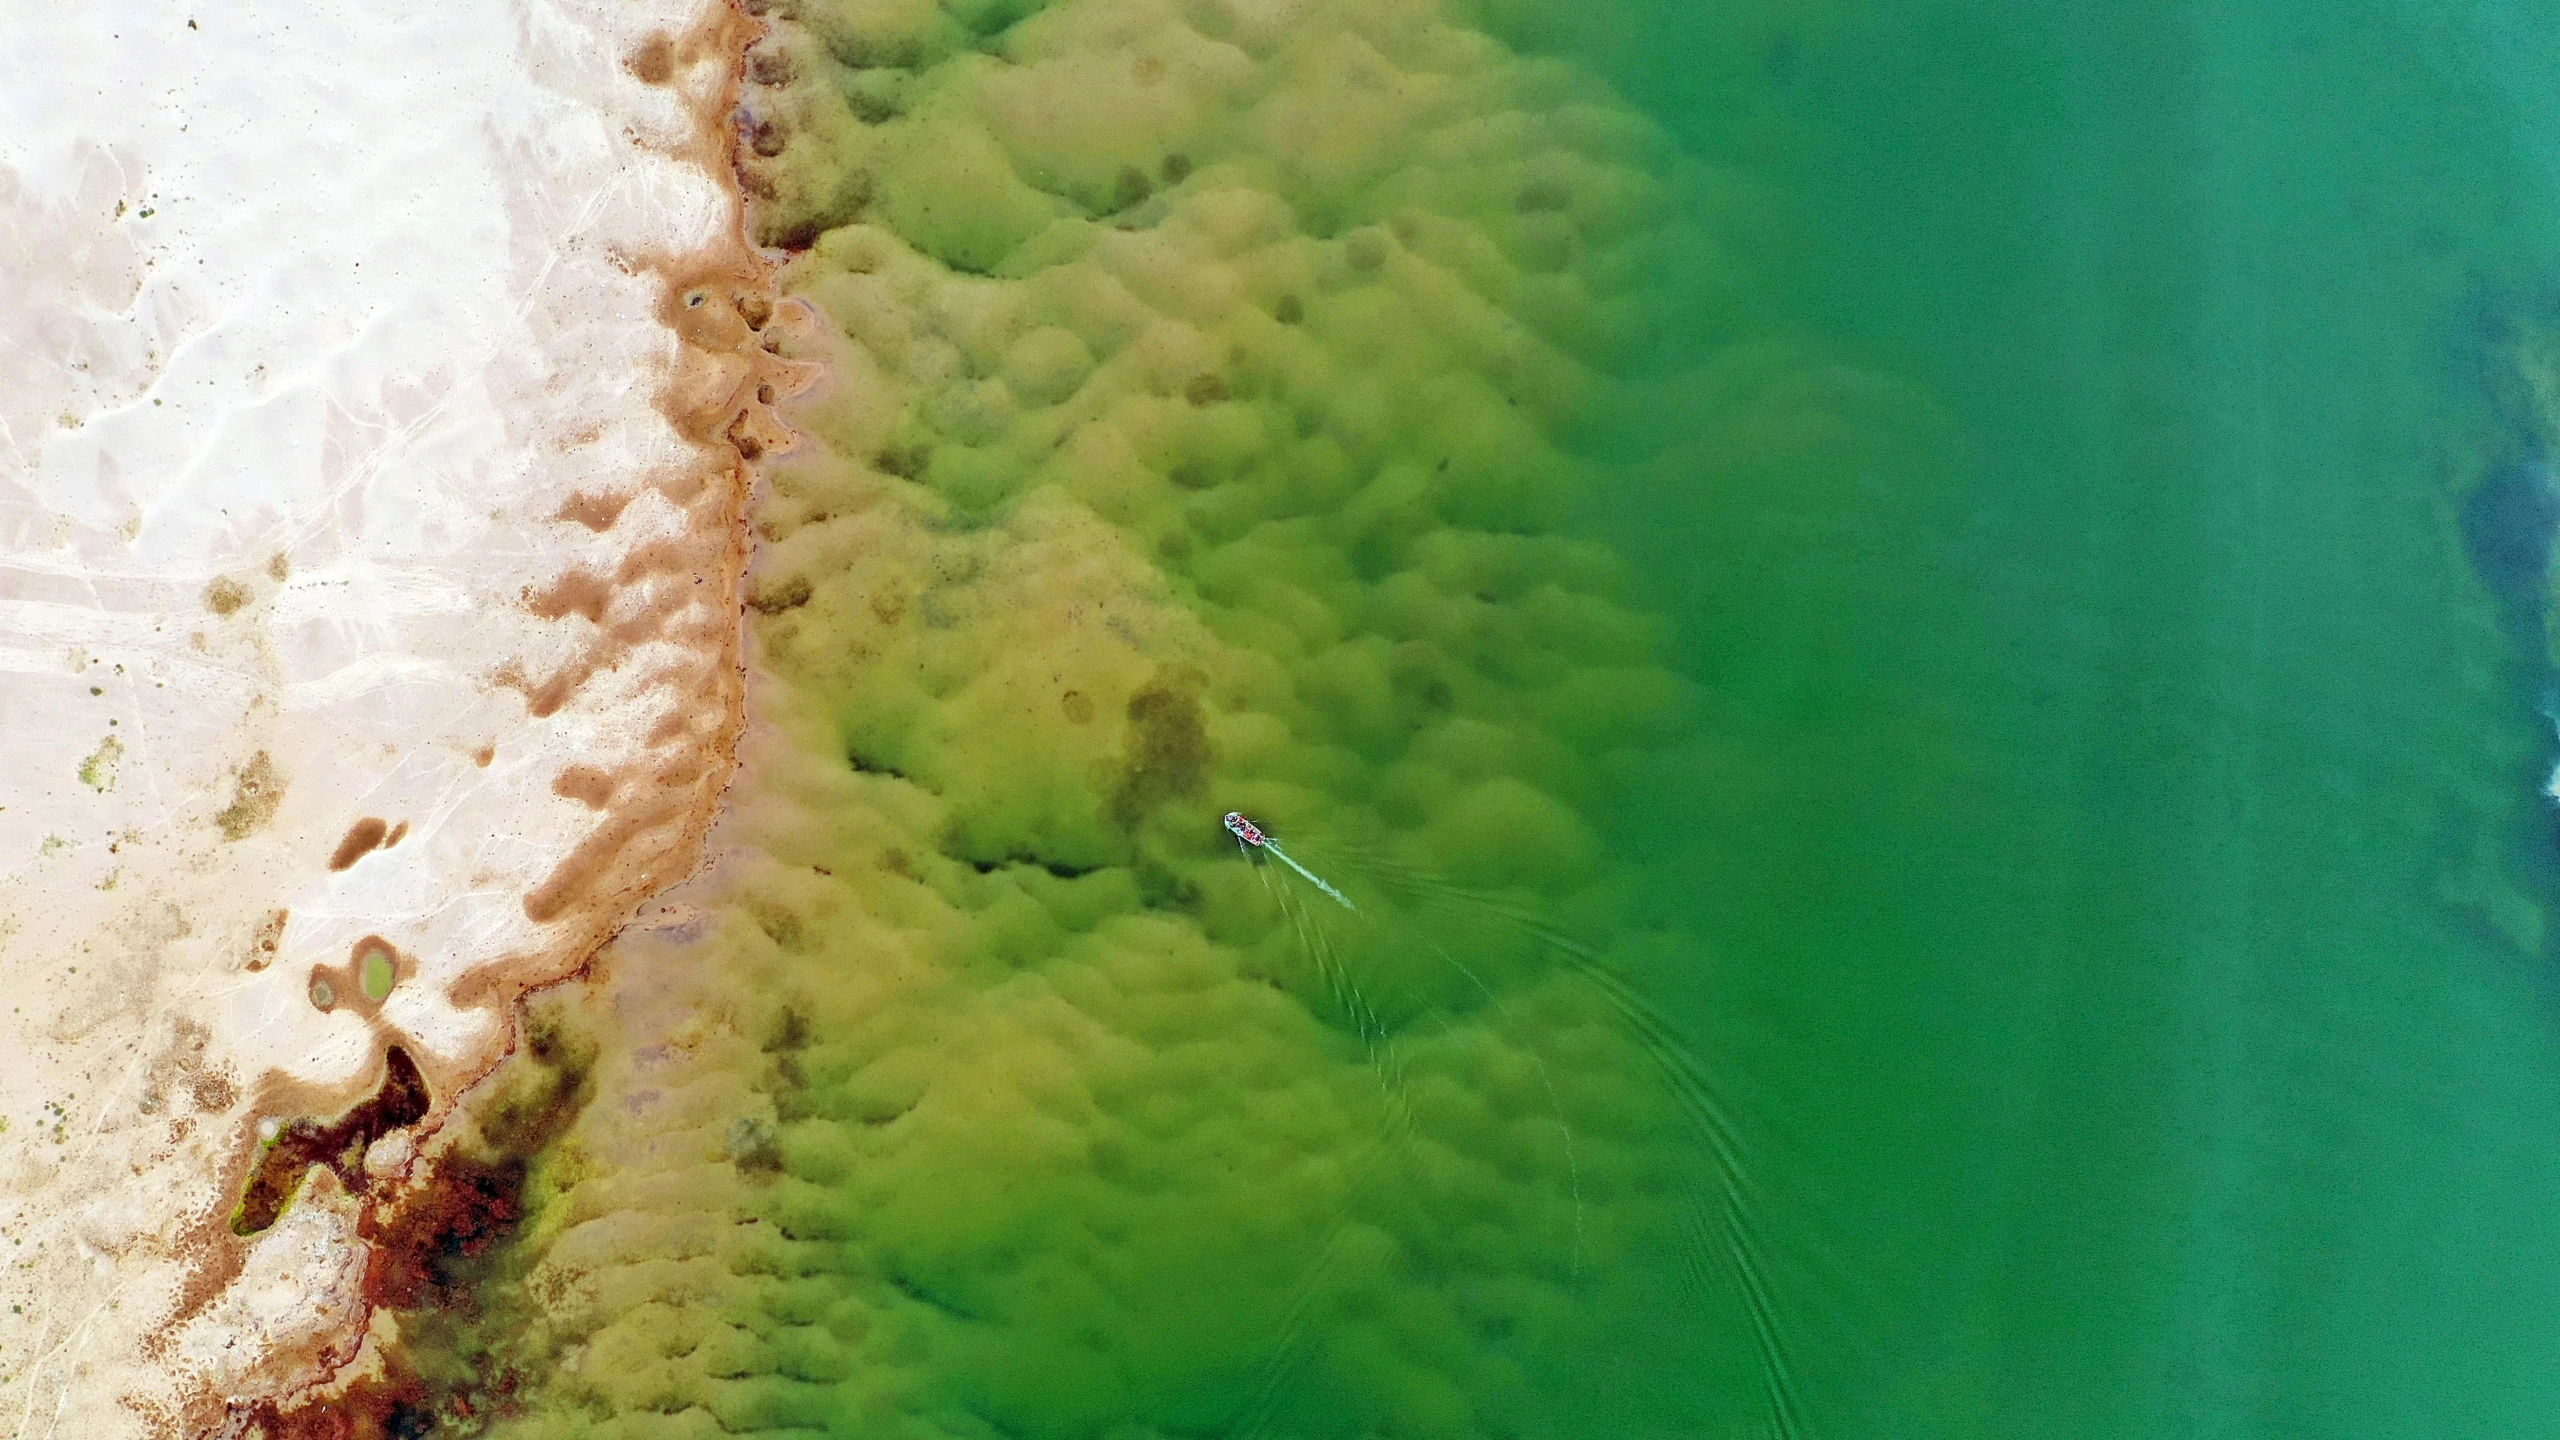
(2066, 959)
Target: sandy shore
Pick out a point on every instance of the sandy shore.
(373, 399)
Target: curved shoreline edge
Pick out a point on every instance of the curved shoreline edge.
(370, 581)
(1205, 437)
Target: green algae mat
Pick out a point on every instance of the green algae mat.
(1897, 656)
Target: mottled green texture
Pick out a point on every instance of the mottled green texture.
(1207, 385)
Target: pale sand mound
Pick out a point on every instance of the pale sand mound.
(367, 569)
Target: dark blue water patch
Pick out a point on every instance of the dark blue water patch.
(2508, 524)
(2510, 516)
(2510, 527)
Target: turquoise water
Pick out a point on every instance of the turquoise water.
(2040, 933)
(2130, 905)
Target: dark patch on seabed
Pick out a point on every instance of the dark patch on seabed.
(2510, 524)
(2507, 525)
(2510, 515)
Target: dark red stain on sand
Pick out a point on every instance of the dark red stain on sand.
(430, 1253)
(400, 1101)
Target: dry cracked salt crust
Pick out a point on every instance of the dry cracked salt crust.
(376, 398)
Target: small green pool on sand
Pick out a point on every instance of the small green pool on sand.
(378, 976)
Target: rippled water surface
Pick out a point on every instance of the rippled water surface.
(1924, 771)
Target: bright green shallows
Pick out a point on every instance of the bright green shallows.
(2074, 839)
(1212, 395)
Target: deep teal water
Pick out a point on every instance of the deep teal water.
(2122, 851)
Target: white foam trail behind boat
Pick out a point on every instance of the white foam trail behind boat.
(1309, 875)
